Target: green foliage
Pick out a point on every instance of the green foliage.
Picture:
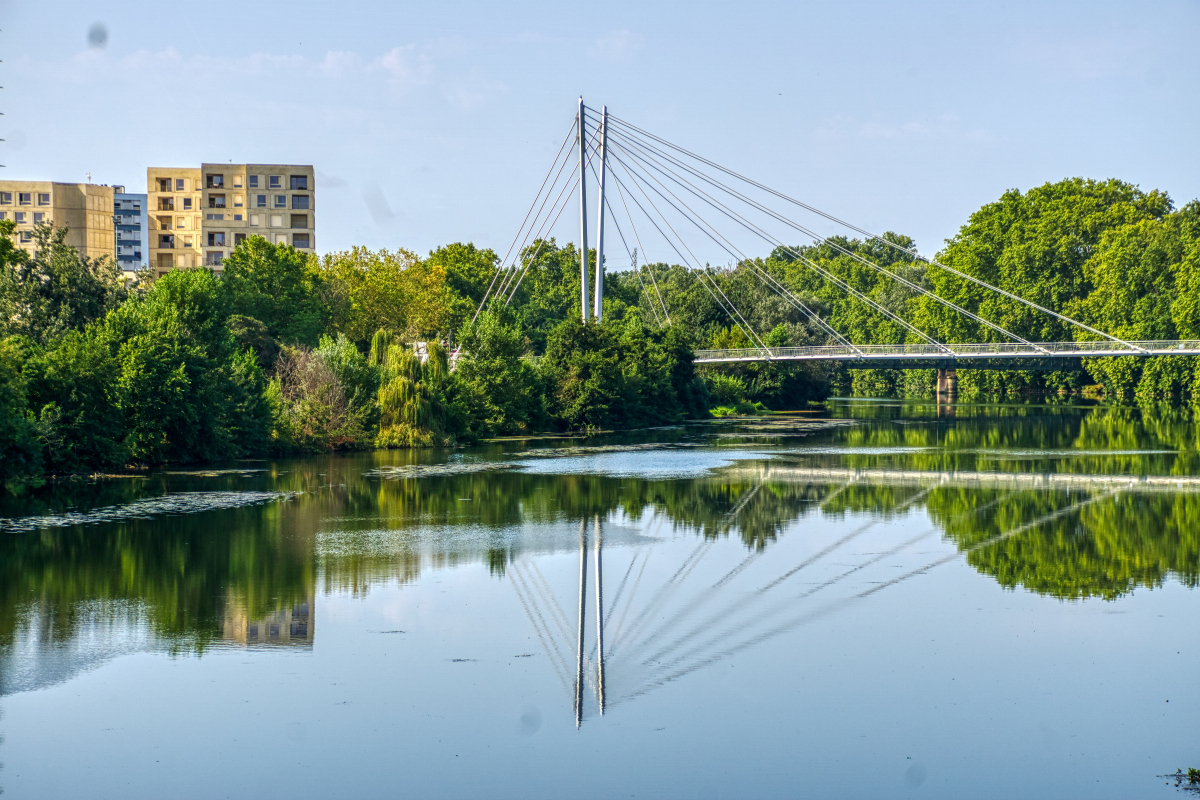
(412, 397)
(468, 270)
(55, 291)
(20, 448)
(252, 335)
(277, 285)
(495, 389)
(312, 411)
(620, 373)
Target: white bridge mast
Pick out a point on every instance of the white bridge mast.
(598, 308)
(583, 247)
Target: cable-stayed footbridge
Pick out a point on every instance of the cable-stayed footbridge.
(654, 191)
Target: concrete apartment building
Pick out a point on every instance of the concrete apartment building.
(85, 208)
(131, 227)
(198, 216)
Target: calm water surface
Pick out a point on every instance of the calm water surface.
(885, 600)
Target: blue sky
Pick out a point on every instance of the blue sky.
(435, 122)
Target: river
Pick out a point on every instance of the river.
(882, 599)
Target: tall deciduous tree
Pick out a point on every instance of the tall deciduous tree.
(279, 286)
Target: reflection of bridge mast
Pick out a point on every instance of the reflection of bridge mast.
(579, 641)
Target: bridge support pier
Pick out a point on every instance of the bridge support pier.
(947, 384)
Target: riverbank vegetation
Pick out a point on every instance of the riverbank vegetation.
(285, 352)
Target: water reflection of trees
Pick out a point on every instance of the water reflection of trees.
(1106, 549)
(351, 532)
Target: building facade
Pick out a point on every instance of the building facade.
(86, 209)
(131, 227)
(198, 216)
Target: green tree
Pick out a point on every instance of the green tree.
(495, 390)
(56, 290)
(20, 448)
(277, 285)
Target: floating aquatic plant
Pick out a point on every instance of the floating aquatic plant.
(164, 505)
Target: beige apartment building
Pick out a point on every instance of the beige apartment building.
(198, 216)
(85, 208)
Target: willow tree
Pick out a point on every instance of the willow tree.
(412, 407)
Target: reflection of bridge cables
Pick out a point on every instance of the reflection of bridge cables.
(540, 626)
(733, 312)
(910, 252)
(645, 155)
(744, 603)
(829, 276)
(812, 616)
(664, 593)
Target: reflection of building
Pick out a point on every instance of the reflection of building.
(285, 627)
(198, 216)
(85, 208)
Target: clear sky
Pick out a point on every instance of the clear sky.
(435, 122)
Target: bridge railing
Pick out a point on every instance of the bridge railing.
(954, 351)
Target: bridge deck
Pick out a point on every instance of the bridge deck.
(951, 352)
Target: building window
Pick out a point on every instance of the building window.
(237, 217)
(43, 198)
(181, 222)
(212, 258)
(216, 201)
(164, 184)
(166, 204)
(254, 223)
(6, 198)
(164, 223)
(299, 221)
(215, 217)
(216, 182)
(216, 238)
(238, 238)
(281, 201)
(38, 217)
(299, 201)
(237, 201)
(281, 238)
(253, 181)
(166, 242)
(276, 182)
(3, 215)
(300, 240)
(187, 241)
(179, 185)
(277, 220)
(19, 217)
(24, 198)
(26, 236)
(237, 181)
(300, 182)
(187, 204)
(260, 201)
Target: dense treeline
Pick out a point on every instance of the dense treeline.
(285, 352)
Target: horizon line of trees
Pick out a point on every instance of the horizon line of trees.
(290, 352)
